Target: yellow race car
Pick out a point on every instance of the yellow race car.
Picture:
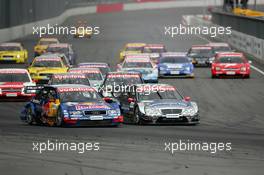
(43, 67)
(13, 52)
(42, 45)
(83, 30)
(131, 48)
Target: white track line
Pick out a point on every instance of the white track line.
(253, 67)
(257, 69)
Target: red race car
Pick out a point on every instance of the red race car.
(13, 83)
(230, 64)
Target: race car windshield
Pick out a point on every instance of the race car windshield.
(9, 48)
(122, 81)
(79, 96)
(94, 76)
(134, 49)
(70, 81)
(63, 50)
(202, 52)
(47, 64)
(154, 95)
(47, 42)
(154, 50)
(222, 49)
(14, 77)
(174, 60)
(137, 65)
(230, 60)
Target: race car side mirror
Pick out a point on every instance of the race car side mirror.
(108, 99)
(187, 98)
(130, 100)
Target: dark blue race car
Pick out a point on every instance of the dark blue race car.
(70, 105)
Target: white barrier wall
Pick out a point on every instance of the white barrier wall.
(246, 43)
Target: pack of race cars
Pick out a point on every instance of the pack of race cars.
(61, 93)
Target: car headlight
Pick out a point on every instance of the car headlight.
(113, 112)
(0, 91)
(217, 68)
(75, 112)
(18, 56)
(187, 68)
(190, 111)
(211, 59)
(150, 111)
(243, 69)
(162, 68)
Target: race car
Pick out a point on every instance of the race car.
(230, 64)
(13, 82)
(69, 78)
(154, 51)
(83, 30)
(131, 48)
(94, 75)
(63, 48)
(142, 64)
(175, 64)
(158, 104)
(13, 52)
(43, 67)
(117, 82)
(220, 47)
(202, 55)
(70, 105)
(104, 67)
(42, 45)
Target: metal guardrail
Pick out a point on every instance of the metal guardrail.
(249, 25)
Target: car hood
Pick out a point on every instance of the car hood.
(230, 65)
(140, 70)
(167, 103)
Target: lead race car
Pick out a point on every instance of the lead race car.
(13, 82)
(70, 105)
(142, 64)
(158, 104)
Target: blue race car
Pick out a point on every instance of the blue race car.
(70, 105)
(175, 64)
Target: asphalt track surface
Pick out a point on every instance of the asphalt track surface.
(231, 110)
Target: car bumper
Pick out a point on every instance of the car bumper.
(105, 122)
(230, 73)
(12, 59)
(163, 120)
(180, 73)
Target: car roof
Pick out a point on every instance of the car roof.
(48, 39)
(154, 46)
(213, 44)
(135, 44)
(13, 70)
(173, 54)
(125, 73)
(231, 54)
(11, 44)
(59, 45)
(137, 57)
(201, 47)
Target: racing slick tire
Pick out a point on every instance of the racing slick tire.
(29, 117)
(59, 118)
(137, 117)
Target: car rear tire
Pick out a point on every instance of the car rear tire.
(137, 117)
